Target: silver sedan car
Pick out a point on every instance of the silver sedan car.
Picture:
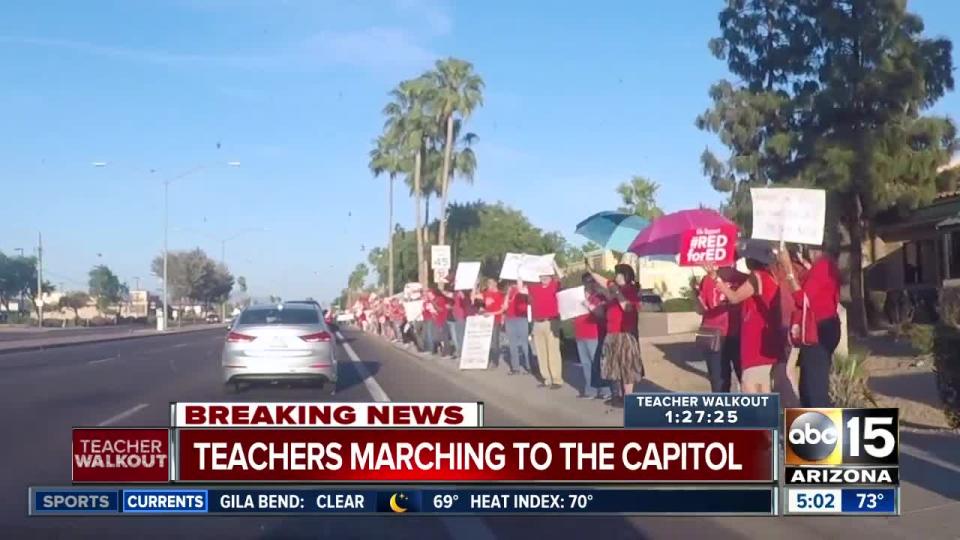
(280, 342)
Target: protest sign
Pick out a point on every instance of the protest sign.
(511, 266)
(534, 266)
(413, 310)
(571, 303)
(789, 214)
(704, 245)
(467, 274)
(475, 353)
(440, 257)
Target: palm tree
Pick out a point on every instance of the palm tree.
(457, 91)
(409, 126)
(386, 158)
(639, 197)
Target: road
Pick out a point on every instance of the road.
(44, 393)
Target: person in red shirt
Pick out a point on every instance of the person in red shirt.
(430, 315)
(761, 337)
(720, 329)
(621, 348)
(441, 334)
(546, 327)
(587, 331)
(493, 304)
(517, 327)
(821, 288)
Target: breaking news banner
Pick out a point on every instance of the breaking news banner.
(596, 455)
(718, 500)
(700, 411)
(326, 415)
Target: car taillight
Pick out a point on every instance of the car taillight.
(237, 337)
(317, 338)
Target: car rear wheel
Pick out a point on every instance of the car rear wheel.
(234, 387)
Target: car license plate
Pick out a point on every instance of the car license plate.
(278, 343)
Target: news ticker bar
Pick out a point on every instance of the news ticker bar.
(870, 501)
(77, 501)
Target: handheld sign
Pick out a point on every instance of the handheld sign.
(708, 246)
(789, 214)
(476, 342)
(440, 257)
(466, 277)
(571, 303)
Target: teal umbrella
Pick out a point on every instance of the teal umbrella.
(612, 230)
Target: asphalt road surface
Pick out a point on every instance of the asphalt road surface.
(45, 393)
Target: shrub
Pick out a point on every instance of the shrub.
(848, 381)
(101, 321)
(921, 338)
(678, 305)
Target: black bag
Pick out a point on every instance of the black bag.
(708, 339)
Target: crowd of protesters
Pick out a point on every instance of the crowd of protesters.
(782, 313)
(756, 326)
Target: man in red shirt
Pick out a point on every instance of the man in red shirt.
(586, 330)
(546, 318)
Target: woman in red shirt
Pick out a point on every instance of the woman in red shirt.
(761, 337)
(588, 331)
(821, 288)
(621, 349)
(517, 326)
(720, 328)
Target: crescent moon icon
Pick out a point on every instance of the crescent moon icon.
(394, 505)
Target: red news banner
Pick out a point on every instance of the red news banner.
(473, 455)
(708, 246)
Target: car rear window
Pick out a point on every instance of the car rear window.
(280, 316)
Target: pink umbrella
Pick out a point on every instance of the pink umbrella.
(662, 236)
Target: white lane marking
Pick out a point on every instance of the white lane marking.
(469, 527)
(180, 345)
(125, 414)
(101, 360)
(927, 456)
(376, 391)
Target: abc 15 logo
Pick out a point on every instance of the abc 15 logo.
(842, 436)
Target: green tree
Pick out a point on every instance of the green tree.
(105, 287)
(358, 277)
(192, 275)
(18, 279)
(242, 284)
(639, 197)
(76, 301)
(831, 95)
(458, 91)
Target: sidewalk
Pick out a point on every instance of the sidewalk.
(46, 342)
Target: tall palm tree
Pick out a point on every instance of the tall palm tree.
(457, 91)
(387, 158)
(409, 125)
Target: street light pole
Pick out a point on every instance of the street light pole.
(40, 280)
(166, 223)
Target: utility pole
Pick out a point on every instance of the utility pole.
(40, 279)
(166, 220)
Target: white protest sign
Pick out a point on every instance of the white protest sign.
(570, 302)
(467, 274)
(475, 353)
(440, 257)
(789, 214)
(413, 310)
(511, 266)
(534, 266)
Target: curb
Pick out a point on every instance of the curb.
(561, 399)
(104, 339)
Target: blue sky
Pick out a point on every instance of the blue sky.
(579, 97)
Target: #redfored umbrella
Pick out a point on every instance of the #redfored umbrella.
(663, 235)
